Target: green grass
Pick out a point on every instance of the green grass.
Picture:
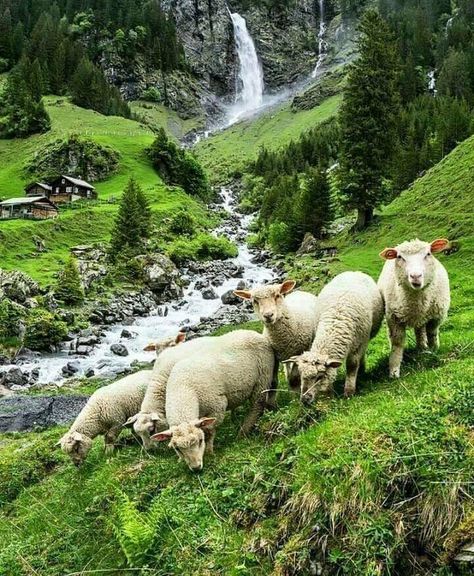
(81, 226)
(229, 151)
(157, 115)
(382, 481)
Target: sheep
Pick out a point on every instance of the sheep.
(150, 416)
(170, 342)
(289, 320)
(415, 289)
(105, 413)
(350, 312)
(201, 388)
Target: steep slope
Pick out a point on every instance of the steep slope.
(374, 485)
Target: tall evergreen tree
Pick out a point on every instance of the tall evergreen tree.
(315, 205)
(368, 118)
(132, 223)
(69, 287)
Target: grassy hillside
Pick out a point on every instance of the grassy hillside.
(130, 139)
(383, 483)
(227, 152)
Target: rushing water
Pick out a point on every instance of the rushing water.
(321, 40)
(250, 77)
(187, 311)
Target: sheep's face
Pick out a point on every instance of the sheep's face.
(145, 424)
(414, 262)
(76, 446)
(170, 342)
(188, 441)
(317, 373)
(268, 301)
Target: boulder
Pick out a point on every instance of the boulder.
(89, 373)
(161, 275)
(230, 298)
(119, 350)
(209, 294)
(17, 286)
(309, 245)
(70, 369)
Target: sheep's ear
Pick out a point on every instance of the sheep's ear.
(244, 294)
(205, 422)
(150, 347)
(162, 436)
(181, 337)
(333, 363)
(287, 286)
(58, 443)
(388, 254)
(131, 420)
(439, 245)
(291, 360)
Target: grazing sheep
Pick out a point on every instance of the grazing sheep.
(105, 413)
(201, 388)
(289, 320)
(170, 342)
(350, 314)
(150, 417)
(415, 288)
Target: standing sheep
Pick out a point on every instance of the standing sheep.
(105, 413)
(350, 314)
(415, 288)
(289, 319)
(202, 387)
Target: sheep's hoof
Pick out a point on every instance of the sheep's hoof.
(348, 393)
(395, 373)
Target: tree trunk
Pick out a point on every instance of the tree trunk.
(364, 218)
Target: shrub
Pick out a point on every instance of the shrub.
(202, 247)
(182, 224)
(43, 329)
(11, 316)
(279, 237)
(152, 94)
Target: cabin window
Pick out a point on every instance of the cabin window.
(88, 194)
(63, 181)
(68, 189)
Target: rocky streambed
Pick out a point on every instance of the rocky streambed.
(114, 343)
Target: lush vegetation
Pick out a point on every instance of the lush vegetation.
(379, 484)
(68, 286)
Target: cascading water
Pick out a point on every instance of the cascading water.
(250, 77)
(321, 40)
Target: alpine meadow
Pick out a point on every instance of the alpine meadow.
(236, 287)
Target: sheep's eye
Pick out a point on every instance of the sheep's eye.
(200, 442)
(428, 255)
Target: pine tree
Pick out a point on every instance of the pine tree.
(315, 205)
(132, 223)
(69, 288)
(368, 118)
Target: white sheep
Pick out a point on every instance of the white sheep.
(150, 416)
(415, 289)
(201, 388)
(289, 320)
(170, 342)
(105, 413)
(350, 312)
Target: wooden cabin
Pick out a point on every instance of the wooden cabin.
(66, 189)
(38, 189)
(33, 207)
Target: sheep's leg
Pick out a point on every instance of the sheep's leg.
(210, 434)
(258, 406)
(352, 368)
(397, 334)
(432, 331)
(421, 338)
(110, 438)
(272, 392)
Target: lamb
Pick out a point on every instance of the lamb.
(105, 413)
(289, 320)
(415, 288)
(150, 416)
(350, 312)
(202, 387)
(170, 342)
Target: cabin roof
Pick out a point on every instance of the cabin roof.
(30, 200)
(78, 182)
(40, 184)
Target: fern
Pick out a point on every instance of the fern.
(136, 531)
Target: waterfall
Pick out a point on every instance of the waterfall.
(321, 41)
(250, 90)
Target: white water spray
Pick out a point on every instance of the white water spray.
(250, 92)
(321, 41)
